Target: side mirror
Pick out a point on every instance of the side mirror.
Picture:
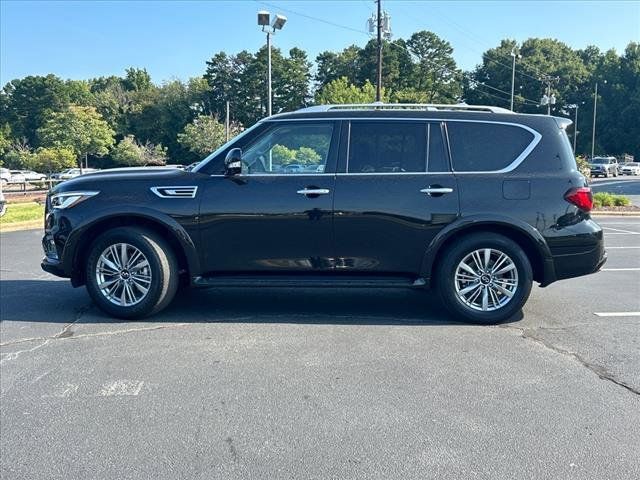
(233, 162)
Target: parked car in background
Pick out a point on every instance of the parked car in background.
(443, 196)
(30, 175)
(603, 166)
(6, 177)
(3, 203)
(72, 173)
(631, 168)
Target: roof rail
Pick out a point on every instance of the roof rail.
(405, 106)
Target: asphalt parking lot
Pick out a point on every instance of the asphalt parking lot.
(320, 384)
(621, 185)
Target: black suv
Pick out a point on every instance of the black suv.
(475, 201)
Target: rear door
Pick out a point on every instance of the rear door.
(394, 192)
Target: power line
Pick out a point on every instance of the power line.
(404, 48)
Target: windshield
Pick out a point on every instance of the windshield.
(221, 148)
(600, 160)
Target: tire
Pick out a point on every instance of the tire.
(159, 277)
(500, 307)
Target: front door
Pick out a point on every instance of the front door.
(277, 214)
(394, 193)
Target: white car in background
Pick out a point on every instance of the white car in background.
(30, 175)
(72, 173)
(631, 168)
(6, 176)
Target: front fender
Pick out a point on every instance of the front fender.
(77, 239)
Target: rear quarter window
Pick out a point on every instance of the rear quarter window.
(485, 147)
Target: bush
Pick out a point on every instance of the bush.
(605, 199)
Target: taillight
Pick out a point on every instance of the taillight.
(581, 197)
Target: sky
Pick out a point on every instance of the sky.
(174, 39)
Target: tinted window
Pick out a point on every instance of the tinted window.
(437, 159)
(387, 147)
(477, 147)
(299, 148)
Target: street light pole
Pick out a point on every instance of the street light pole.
(270, 27)
(379, 82)
(593, 130)
(268, 74)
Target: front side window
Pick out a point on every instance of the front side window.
(387, 147)
(485, 147)
(289, 149)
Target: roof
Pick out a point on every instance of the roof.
(409, 110)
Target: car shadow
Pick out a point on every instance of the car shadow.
(57, 302)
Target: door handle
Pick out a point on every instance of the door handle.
(436, 190)
(313, 191)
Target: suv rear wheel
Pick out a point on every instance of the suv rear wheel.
(131, 272)
(484, 278)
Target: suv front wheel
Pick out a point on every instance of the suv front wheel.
(131, 272)
(484, 278)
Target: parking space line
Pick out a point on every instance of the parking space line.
(618, 233)
(620, 230)
(620, 270)
(617, 248)
(617, 314)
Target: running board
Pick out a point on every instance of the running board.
(308, 281)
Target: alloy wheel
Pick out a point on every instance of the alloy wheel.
(123, 274)
(486, 279)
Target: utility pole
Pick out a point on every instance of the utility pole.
(379, 25)
(548, 99)
(513, 73)
(575, 130)
(593, 131)
(226, 123)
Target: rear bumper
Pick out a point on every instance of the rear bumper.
(578, 254)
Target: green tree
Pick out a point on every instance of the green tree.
(82, 129)
(54, 159)
(307, 156)
(332, 66)
(128, 152)
(204, 135)
(435, 73)
(28, 101)
(341, 91)
(282, 155)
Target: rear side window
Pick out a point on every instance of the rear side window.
(485, 147)
(387, 147)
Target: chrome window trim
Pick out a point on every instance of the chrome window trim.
(512, 166)
(160, 191)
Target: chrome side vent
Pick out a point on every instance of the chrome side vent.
(178, 191)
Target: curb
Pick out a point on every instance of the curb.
(605, 213)
(18, 226)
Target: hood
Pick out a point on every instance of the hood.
(118, 175)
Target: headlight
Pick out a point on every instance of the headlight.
(69, 199)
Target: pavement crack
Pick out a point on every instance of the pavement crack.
(66, 331)
(13, 355)
(602, 373)
(85, 335)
